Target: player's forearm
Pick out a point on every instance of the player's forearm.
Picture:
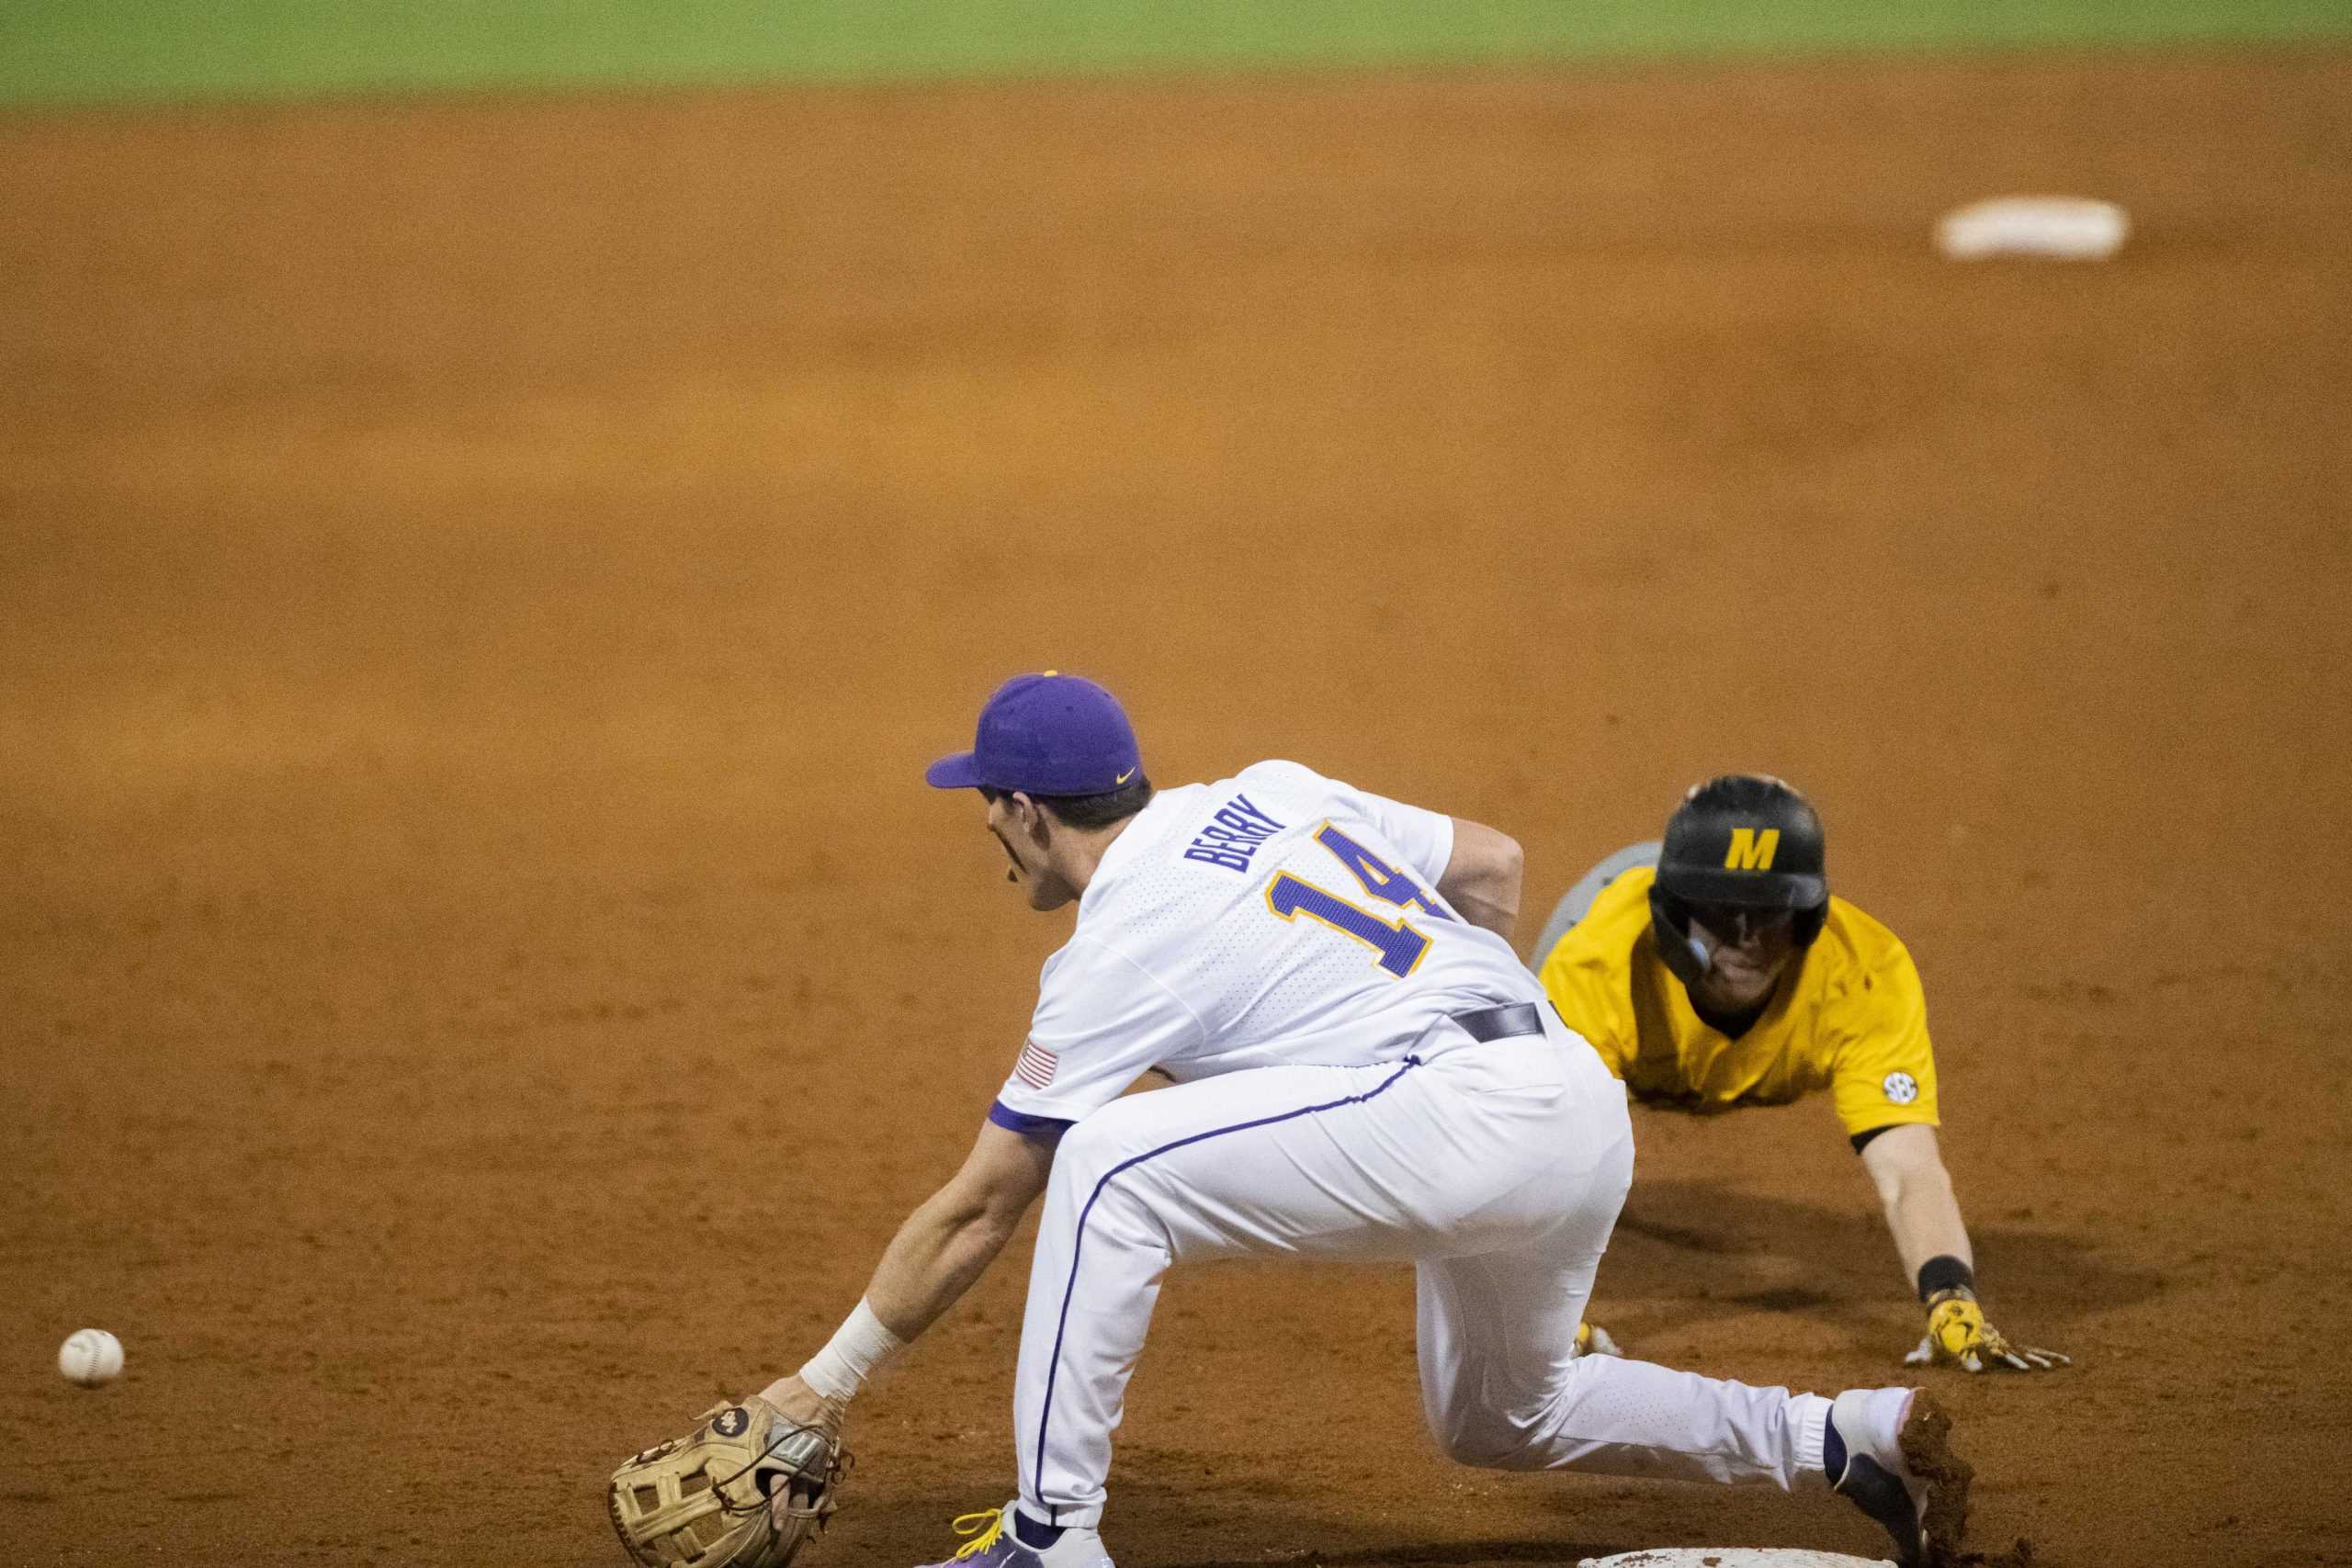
(943, 1247)
(1496, 912)
(940, 1250)
(1923, 1216)
(1482, 881)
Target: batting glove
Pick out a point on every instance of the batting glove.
(1593, 1340)
(1958, 1335)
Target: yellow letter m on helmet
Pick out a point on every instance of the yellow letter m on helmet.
(1751, 850)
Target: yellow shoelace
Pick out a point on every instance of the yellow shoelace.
(987, 1527)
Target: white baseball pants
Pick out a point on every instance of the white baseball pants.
(1497, 1168)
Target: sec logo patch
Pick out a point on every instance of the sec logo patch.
(1901, 1088)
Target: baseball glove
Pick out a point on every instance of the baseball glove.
(746, 1489)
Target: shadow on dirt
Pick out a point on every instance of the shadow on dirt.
(1184, 1526)
(1459, 1553)
(1773, 1254)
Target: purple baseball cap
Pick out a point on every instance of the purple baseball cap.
(1049, 734)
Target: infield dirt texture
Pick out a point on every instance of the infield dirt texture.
(482, 975)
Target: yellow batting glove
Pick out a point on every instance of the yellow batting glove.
(1957, 1334)
(1594, 1340)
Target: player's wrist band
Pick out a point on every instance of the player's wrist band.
(859, 1350)
(1945, 1274)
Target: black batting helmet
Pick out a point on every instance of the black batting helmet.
(1743, 839)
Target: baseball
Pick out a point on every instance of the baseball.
(90, 1357)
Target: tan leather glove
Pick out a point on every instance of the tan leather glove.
(1958, 1335)
(746, 1489)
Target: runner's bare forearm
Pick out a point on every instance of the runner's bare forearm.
(1915, 1191)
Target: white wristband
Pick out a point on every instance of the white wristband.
(859, 1350)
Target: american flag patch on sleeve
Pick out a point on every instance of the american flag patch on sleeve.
(1036, 1066)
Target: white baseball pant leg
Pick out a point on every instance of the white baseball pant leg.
(1515, 1152)
(1504, 1388)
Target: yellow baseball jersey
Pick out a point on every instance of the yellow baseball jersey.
(1851, 1019)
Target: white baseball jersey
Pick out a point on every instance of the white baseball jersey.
(1274, 919)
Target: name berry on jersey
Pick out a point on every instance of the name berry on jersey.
(1233, 835)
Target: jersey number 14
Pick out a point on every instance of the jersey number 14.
(1399, 946)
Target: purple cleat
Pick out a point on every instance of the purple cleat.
(994, 1545)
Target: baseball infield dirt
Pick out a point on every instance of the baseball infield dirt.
(483, 976)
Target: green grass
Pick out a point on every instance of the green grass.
(97, 51)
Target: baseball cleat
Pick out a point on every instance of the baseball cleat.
(1900, 1470)
(993, 1545)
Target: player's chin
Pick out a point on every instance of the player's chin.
(1045, 892)
(1735, 986)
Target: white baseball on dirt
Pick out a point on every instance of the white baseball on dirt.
(90, 1357)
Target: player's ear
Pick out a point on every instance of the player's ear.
(1028, 814)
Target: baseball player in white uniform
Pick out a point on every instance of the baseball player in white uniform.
(1362, 1069)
